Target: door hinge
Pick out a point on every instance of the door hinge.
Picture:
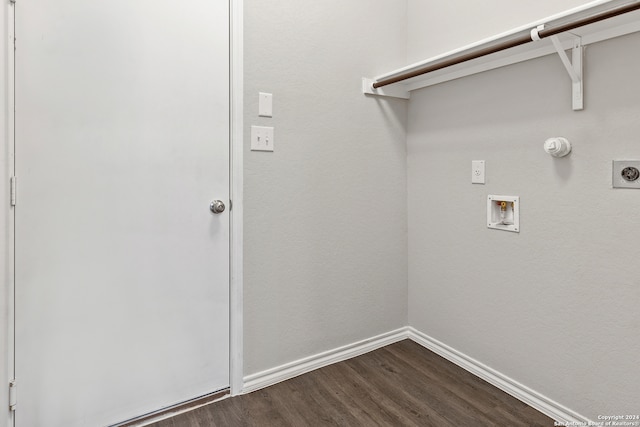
(12, 395)
(13, 190)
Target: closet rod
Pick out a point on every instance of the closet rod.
(509, 44)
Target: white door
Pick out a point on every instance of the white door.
(122, 271)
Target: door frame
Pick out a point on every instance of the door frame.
(7, 213)
(236, 127)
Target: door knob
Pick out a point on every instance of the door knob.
(217, 206)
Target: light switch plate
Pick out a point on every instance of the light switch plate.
(262, 138)
(265, 104)
(477, 171)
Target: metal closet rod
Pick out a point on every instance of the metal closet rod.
(509, 44)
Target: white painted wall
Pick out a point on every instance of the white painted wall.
(438, 26)
(554, 307)
(325, 221)
(5, 276)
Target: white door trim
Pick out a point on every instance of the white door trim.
(9, 290)
(236, 230)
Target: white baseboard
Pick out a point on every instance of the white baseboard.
(525, 394)
(521, 392)
(293, 369)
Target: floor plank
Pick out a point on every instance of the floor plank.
(402, 384)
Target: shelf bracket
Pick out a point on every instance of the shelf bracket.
(573, 67)
(390, 91)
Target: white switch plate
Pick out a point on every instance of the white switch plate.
(265, 104)
(261, 138)
(477, 171)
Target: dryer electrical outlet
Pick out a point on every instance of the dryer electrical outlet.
(626, 174)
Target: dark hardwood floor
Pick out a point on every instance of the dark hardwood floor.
(402, 384)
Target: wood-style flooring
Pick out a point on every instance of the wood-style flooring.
(402, 384)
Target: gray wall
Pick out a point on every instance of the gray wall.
(325, 220)
(554, 307)
(438, 26)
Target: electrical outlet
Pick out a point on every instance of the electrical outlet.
(626, 174)
(477, 171)
(262, 138)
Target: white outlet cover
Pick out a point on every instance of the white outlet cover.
(477, 172)
(262, 138)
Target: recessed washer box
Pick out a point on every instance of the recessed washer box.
(503, 213)
(626, 174)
